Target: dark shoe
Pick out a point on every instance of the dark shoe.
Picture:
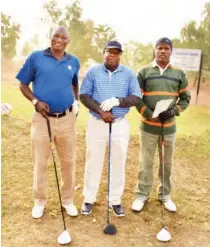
(87, 208)
(118, 210)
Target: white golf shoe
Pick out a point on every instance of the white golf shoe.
(37, 211)
(139, 203)
(71, 210)
(170, 205)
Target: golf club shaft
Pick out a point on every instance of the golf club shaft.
(56, 174)
(163, 172)
(109, 166)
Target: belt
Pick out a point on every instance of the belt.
(115, 120)
(60, 114)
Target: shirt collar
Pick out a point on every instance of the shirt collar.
(119, 68)
(154, 64)
(47, 52)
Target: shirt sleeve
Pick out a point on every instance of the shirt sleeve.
(27, 73)
(184, 95)
(75, 78)
(134, 88)
(142, 108)
(87, 84)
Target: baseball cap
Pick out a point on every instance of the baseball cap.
(113, 44)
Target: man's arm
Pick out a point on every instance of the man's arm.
(86, 92)
(184, 96)
(134, 97)
(141, 106)
(75, 83)
(26, 91)
(75, 88)
(26, 76)
(90, 103)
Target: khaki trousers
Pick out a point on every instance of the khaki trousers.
(64, 135)
(148, 143)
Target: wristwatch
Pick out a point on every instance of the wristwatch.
(34, 101)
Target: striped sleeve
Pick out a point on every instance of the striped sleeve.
(184, 95)
(141, 107)
(87, 84)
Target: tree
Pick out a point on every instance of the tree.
(9, 35)
(197, 36)
(87, 40)
(102, 34)
(137, 55)
(30, 45)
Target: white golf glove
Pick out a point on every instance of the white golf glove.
(75, 107)
(107, 104)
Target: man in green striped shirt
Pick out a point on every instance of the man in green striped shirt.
(159, 80)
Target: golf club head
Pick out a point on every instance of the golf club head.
(164, 235)
(64, 238)
(110, 229)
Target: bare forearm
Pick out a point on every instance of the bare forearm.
(90, 103)
(129, 101)
(26, 91)
(76, 91)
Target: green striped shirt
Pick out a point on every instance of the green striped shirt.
(170, 84)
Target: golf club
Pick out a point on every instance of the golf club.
(64, 238)
(163, 235)
(109, 228)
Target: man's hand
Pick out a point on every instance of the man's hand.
(107, 117)
(107, 104)
(75, 107)
(166, 115)
(42, 108)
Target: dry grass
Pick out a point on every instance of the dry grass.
(189, 226)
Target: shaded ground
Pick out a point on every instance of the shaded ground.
(189, 227)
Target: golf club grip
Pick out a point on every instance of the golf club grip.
(49, 129)
(110, 128)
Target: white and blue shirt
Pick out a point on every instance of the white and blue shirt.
(100, 84)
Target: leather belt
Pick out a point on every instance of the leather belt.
(60, 114)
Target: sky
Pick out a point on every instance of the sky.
(137, 20)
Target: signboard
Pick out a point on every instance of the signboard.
(186, 59)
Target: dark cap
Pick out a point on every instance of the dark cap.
(164, 40)
(113, 45)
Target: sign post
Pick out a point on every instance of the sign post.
(188, 60)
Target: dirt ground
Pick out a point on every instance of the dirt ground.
(189, 227)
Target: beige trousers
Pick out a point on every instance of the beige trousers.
(96, 140)
(64, 135)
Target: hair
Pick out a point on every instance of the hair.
(60, 29)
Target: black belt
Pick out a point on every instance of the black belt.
(61, 114)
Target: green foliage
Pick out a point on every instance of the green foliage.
(136, 55)
(87, 40)
(197, 36)
(9, 35)
(102, 34)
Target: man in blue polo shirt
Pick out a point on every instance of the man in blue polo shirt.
(54, 77)
(107, 90)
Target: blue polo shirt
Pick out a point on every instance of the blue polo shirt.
(51, 79)
(101, 84)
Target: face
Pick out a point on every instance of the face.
(112, 57)
(59, 41)
(163, 53)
